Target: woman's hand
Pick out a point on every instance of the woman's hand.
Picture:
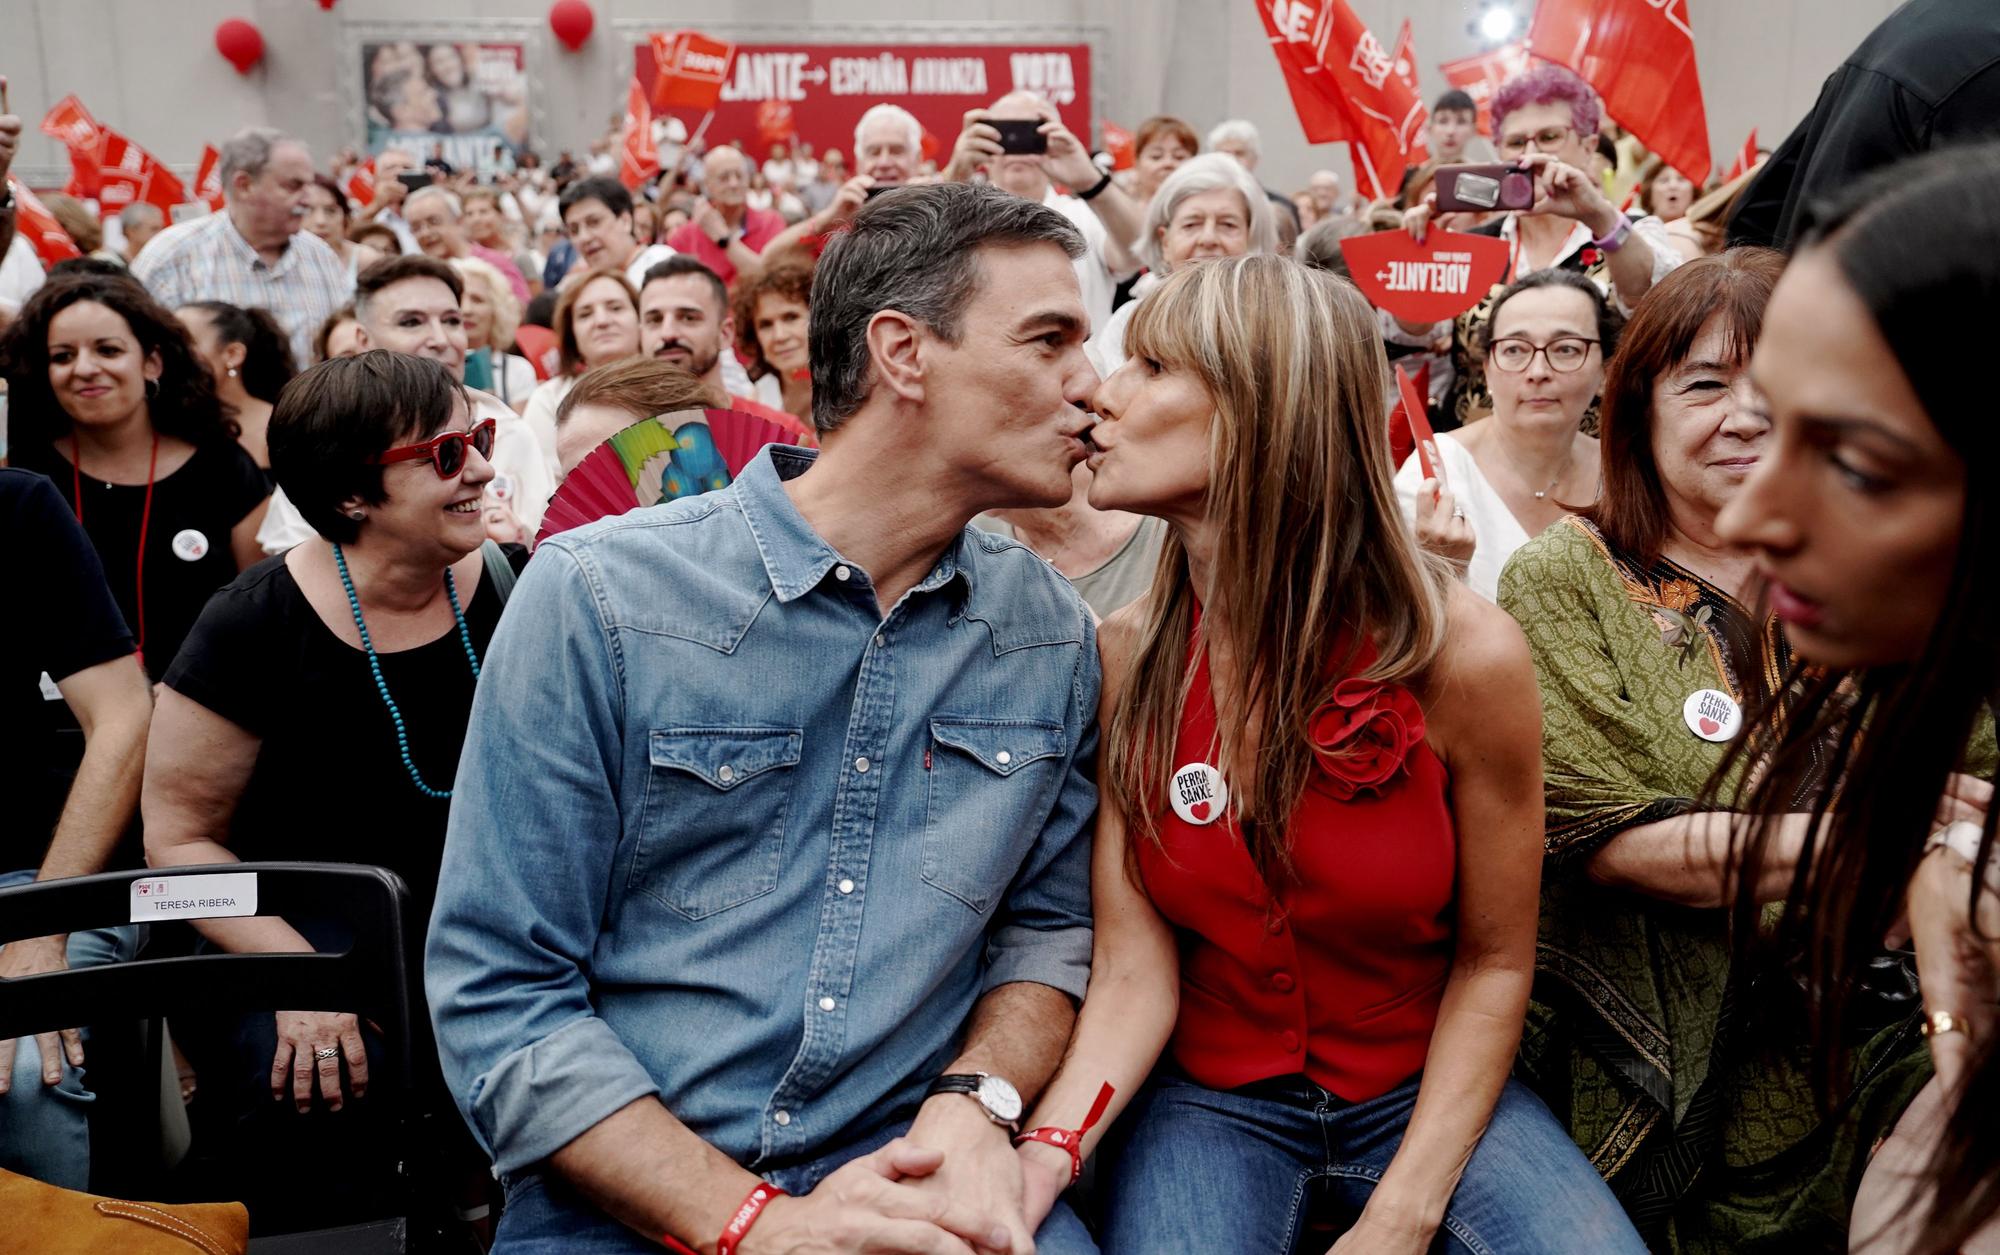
(1958, 956)
(1568, 192)
(1375, 1235)
(1442, 528)
(302, 1036)
(1044, 1177)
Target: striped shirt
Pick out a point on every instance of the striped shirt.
(209, 260)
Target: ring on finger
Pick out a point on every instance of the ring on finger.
(327, 1052)
(1938, 1023)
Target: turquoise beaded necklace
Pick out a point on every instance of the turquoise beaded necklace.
(375, 665)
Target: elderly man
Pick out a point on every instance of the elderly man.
(437, 219)
(598, 213)
(256, 251)
(725, 233)
(1238, 137)
(140, 221)
(888, 145)
(1111, 221)
(766, 896)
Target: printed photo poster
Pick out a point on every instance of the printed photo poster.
(471, 98)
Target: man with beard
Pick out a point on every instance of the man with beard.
(684, 319)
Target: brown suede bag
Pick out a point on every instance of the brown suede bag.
(49, 1220)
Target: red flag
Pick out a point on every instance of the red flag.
(361, 182)
(1119, 142)
(71, 123)
(1639, 55)
(130, 175)
(1480, 77)
(208, 179)
(692, 68)
(39, 227)
(638, 160)
(1405, 58)
(1343, 85)
(1745, 159)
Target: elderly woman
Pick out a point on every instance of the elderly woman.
(1209, 207)
(770, 315)
(1159, 147)
(596, 321)
(1509, 477)
(1548, 119)
(491, 316)
(317, 712)
(1685, 1081)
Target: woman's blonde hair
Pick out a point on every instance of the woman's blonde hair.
(499, 294)
(1314, 561)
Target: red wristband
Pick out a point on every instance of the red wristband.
(1071, 1140)
(746, 1215)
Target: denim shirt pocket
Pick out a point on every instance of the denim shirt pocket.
(988, 786)
(712, 833)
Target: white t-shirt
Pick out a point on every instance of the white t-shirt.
(649, 257)
(1497, 532)
(20, 275)
(1093, 273)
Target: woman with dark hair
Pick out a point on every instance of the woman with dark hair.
(249, 356)
(1873, 542)
(1642, 1035)
(327, 217)
(771, 315)
(349, 659)
(1501, 481)
(108, 399)
(1317, 848)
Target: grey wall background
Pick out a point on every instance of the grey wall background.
(149, 67)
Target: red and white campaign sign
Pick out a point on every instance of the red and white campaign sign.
(689, 70)
(1440, 278)
(829, 86)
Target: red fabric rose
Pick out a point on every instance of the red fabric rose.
(1363, 734)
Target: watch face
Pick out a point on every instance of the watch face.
(1000, 1098)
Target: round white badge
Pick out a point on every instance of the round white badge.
(190, 545)
(1198, 793)
(1712, 714)
(500, 488)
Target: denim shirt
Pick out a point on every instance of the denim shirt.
(724, 833)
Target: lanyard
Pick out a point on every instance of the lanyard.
(145, 518)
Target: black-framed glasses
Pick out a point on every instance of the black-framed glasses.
(1564, 353)
(446, 450)
(1546, 140)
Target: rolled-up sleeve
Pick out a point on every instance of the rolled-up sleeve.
(1043, 933)
(527, 867)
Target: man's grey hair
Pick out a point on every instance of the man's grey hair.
(433, 192)
(1240, 130)
(1319, 247)
(248, 151)
(141, 213)
(915, 250)
(1210, 172)
(902, 117)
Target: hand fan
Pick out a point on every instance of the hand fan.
(658, 459)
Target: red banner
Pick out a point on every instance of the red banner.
(361, 182)
(208, 179)
(1344, 87)
(39, 227)
(690, 70)
(1440, 278)
(130, 175)
(71, 123)
(1480, 77)
(1119, 143)
(638, 159)
(829, 86)
(1405, 60)
(1744, 160)
(1639, 55)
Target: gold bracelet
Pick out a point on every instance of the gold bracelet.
(1938, 1023)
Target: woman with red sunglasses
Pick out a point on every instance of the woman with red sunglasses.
(317, 711)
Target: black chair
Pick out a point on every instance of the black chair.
(371, 978)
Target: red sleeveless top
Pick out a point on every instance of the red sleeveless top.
(1340, 974)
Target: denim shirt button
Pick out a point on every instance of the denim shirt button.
(841, 573)
(861, 764)
(879, 642)
(1003, 758)
(826, 1004)
(725, 773)
(782, 1118)
(846, 886)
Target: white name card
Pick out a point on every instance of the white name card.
(217, 895)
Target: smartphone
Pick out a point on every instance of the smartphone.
(1019, 135)
(1483, 188)
(414, 179)
(880, 188)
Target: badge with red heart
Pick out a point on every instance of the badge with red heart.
(1712, 714)
(1198, 794)
(1441, 278)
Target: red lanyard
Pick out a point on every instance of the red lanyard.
(145, 518)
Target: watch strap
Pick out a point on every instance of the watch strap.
(1615, 238)
(968, 1083)
(1096, 190)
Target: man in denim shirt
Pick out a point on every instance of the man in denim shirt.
(774, 808)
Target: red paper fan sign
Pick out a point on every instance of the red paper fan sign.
(1441, 278)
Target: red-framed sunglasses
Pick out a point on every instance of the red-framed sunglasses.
(446, 450)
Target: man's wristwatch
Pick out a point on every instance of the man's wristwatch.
(996, 1097)
(722, 241)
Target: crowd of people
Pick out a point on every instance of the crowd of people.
(1077, 742)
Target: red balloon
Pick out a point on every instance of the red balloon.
(327, 5)
(240, 44)
(571, 21)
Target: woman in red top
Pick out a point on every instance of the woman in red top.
(1320, 836)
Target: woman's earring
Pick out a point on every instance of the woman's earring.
(232, 372)
(152, 389)
(357, 515)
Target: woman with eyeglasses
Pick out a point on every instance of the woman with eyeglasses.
(1507, 478)
(317, 711)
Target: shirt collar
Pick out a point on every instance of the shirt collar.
(796, 558)
(243, 247)
(1579, 235)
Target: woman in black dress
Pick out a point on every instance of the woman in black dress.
(317, 711)
(107, 399)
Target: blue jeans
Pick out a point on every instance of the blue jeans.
(1198, 1169)
(45, 1129)
(545, 1217)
